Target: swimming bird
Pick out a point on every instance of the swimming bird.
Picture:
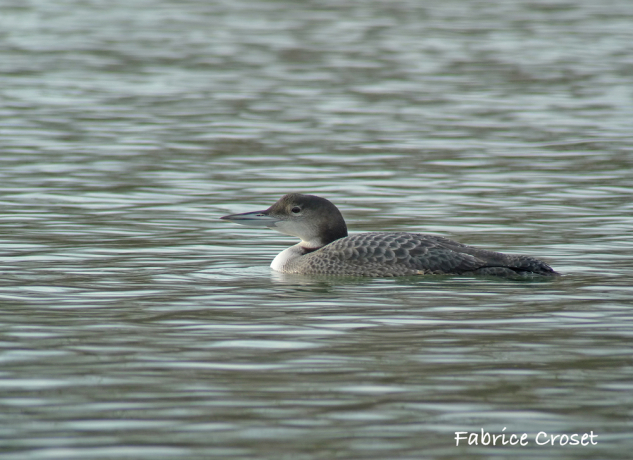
(326, 248)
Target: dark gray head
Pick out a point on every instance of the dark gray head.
(313, 219)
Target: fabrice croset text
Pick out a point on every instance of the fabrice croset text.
(484, 438)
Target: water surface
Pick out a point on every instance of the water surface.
(135, 324)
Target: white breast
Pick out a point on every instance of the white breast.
(285, 257)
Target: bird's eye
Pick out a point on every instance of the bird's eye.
(296, 209)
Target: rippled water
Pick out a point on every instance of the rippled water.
(135, 324)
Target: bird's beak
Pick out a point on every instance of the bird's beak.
(253, 219)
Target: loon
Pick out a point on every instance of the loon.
(326, 248)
